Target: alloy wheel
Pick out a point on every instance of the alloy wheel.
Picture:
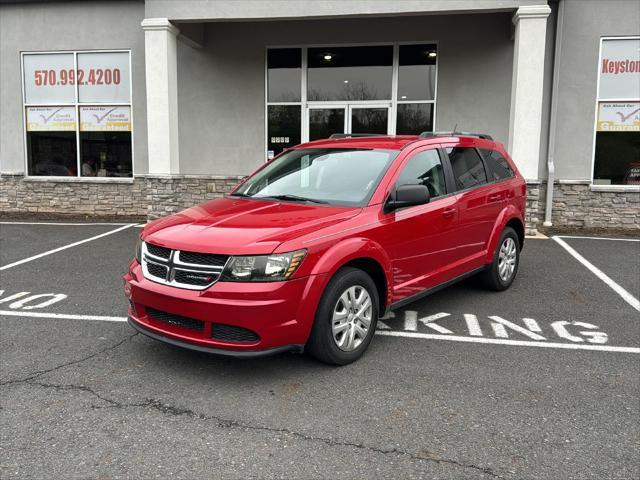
(351, 318)
(507, 259)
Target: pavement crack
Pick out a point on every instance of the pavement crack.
(39, 373)
(176, 411)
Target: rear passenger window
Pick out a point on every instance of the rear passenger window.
(497, 165)
(468, 169)
(424, 168)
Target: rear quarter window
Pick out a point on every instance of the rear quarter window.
(498, 167)
(467, 166)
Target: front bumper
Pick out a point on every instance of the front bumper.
(279, 314)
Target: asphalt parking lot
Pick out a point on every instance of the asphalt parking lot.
(540, 381)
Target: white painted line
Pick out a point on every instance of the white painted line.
(600, 238)
(626, 296)
(497, 341)
(62, 316)
(59, 249)
(64, 224)
(390, 333)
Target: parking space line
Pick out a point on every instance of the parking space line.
(65, 247)
(62, 316)
(626, 296)
(498, 341)
(601, 238)
(388, 333)
(65, 224)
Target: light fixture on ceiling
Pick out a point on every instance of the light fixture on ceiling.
(327, 57)
(403, 97)
(346, 81)
(432, 54)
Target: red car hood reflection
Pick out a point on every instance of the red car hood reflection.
(234, 226)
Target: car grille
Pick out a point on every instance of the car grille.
(203, 259)
(229, 333)
(189, 270)
(158, 251)
(177, 320)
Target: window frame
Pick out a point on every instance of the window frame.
(305, 104)
(76, 105)
(595, 186)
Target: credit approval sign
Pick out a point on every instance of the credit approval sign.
(105, 119)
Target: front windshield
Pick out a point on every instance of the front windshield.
(324, 175)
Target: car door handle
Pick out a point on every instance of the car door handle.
(448, 212)
(495, 197)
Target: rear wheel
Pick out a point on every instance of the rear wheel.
(346, 318)
(501, 273)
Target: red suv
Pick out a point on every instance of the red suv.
(316, 245)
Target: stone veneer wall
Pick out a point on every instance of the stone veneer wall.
(577, 206)
(574, 205)
(145, 196)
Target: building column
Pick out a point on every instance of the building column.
(527, 83)
(162, 95)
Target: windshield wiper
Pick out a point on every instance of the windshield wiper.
(294, 197)
(239, 195)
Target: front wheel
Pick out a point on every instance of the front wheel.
(346, 318)
(501, 273)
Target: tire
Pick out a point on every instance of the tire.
(348, 284)
(497, 276)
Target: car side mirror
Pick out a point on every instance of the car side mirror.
(408, 196)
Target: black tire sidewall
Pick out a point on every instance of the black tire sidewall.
(321, 344)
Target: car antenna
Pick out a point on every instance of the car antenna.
(455, 128)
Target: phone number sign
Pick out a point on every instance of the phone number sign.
(100, 77)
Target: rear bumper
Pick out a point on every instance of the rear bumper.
(278, 316)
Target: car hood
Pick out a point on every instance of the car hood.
(236, 226)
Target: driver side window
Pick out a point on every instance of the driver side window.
(424, 168)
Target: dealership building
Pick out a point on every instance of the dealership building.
(143, 108)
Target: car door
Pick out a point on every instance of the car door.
(479, 203)
(418, 238)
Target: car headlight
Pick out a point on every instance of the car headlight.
(139, 251)
(263, 268)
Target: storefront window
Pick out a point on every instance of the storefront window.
(284, 128)
(417, 72)
(414, 118)
(78, 114)
(315, 92)
(284, 70)
(349, 73)
(617, 142)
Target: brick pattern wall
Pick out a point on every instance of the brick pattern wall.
(574, 206)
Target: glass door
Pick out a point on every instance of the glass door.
(369, 119)
(325, 120)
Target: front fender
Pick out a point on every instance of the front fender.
(351, 249)
(508, 213)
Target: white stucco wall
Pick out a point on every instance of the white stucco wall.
(221, 86)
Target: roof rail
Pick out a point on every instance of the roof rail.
(352, 135)
(455, 134)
